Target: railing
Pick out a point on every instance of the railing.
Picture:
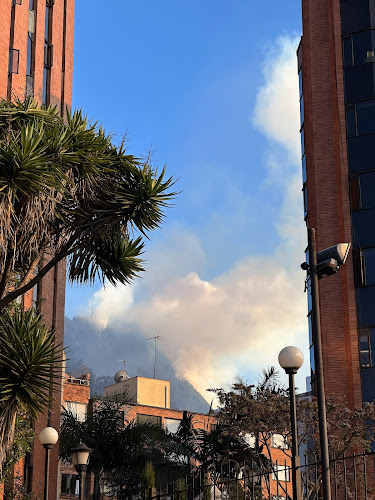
(352, 478)
(77, 381)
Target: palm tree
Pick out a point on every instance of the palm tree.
(67, 191)
(29, 364)
(120, 449)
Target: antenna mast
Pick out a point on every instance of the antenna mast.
(157, 337)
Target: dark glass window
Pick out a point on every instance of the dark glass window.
(300, 83)
(368, 256)
(368, 385)
(363, 47)
(28, 60)
(361, 153)
(304, 173)
(367, 347)
(355, 197)
(301, 111)
(362, 222)
(305, 206)
(311, 340)
(355, 16)
(44, 96)
(367, 189)
(364, 350)
(69, 484)
(366, 117)
(302, 141)
(359, 83)
(149, 419)
(351, 127)
(347, 51)
(312, 361)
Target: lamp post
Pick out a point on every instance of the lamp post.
(291, 359)
(48, 437)
(80, 457)
(321, 264)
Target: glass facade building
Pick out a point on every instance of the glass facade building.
(336, 67)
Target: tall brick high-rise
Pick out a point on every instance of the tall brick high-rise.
(336, 66)
(36, 57)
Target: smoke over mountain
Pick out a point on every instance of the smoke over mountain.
(103, 349)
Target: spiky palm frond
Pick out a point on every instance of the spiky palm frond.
(65, 187)
(110, 256)
(28, 366)
(143, 197)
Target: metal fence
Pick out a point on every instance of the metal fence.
(352, 478)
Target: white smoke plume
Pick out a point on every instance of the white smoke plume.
(237, 322)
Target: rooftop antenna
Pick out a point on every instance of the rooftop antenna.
(122, 361)
(156, 337)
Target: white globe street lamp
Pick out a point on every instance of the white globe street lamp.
(48, 437)
(291, 359)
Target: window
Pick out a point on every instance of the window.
(69, 484)
(149, 419)
(355, 16)
(359, 48)
(311, 338)
(79, 410)
(367, 189)
(305, 206)
(365, 112)
(281, 472)
(171, 425)
(359, 83)
(312, 361)
(304, 173)
(279, 441)
(360, 118)
(366, 340)
(48, 50)
(364, 265)
(368, 266)
(364, 351)
(362, 191)
(302, 141)
(14, 57)
(301, 112)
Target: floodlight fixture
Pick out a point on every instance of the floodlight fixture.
(329, 260)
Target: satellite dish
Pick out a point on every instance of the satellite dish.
(121, 376)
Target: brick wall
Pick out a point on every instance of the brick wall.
(77, 392)
(328, 190)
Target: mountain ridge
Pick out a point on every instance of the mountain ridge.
(101, 349)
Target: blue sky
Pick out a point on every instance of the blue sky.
(197, 82)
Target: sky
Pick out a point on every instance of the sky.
(211, 88)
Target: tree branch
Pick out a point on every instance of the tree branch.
(64, 252)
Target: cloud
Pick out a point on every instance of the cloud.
(257, 306)
(276, 110)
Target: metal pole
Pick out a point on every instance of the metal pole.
(81, 492)
(46, 471)
(319, 376)
(296, 469)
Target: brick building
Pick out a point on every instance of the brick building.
(151, 404)
(336, 67)
(76, 398)
(36, 57)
